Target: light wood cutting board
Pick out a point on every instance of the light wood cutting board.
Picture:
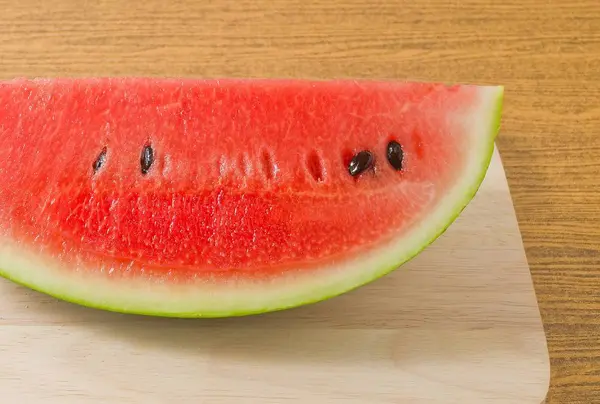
(458, 324)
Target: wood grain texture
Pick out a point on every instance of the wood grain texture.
(547, 54)
(459, 324)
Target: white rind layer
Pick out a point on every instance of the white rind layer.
(230, 298)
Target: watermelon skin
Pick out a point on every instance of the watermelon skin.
(248, 207)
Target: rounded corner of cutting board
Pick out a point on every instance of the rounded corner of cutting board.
(543, 365)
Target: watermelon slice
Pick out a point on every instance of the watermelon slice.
(208, 198)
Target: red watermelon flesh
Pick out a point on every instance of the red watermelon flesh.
(227, 197)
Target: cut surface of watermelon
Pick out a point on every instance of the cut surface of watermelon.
(209, 198)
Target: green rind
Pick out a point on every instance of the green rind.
(317, 294)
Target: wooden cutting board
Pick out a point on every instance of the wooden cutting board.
(458, 324)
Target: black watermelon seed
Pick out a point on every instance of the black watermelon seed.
(360, 162)
(395, 154)
(100, 160)
(147, 158)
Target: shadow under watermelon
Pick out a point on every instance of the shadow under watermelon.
(376, 325)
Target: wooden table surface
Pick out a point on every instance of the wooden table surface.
(547, 54)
